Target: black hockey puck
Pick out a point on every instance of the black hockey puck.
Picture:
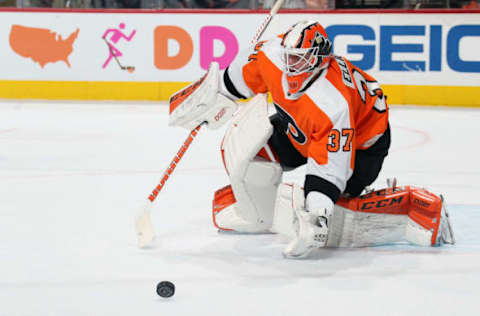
(165, 289)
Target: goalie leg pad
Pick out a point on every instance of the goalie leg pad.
(247, 206)
(428, 221)
(381, 217)
(224, 211)
(254, 181)
(392, 215)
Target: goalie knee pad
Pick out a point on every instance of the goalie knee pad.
(254, 181)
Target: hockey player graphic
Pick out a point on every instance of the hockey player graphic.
(330, 116)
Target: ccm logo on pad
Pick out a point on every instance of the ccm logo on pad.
(381, 203)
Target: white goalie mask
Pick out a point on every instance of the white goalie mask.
(306, 50)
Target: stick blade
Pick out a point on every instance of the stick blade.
(144, 227)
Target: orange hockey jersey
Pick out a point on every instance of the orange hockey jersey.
(343, 110)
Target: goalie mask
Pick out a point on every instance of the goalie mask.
(306, 50)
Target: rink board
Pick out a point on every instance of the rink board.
(419, 57)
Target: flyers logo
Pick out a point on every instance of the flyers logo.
(295, 132)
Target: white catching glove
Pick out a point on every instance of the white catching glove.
(201, 102)
(311, 226)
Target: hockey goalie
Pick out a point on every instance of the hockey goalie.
(330, 116)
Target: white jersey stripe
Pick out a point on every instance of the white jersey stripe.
(236, 76)
(333, 104)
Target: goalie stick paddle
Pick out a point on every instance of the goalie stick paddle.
(143, 221)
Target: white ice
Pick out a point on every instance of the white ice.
(73, 175)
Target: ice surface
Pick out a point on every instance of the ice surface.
(73, 175)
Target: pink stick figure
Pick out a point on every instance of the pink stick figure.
(116, 36)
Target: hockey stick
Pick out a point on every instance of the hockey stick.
(143, 222)
(130, 69)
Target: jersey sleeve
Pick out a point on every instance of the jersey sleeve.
(243, 79)
(371, 103)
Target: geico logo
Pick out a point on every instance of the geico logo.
(390, 47)
(381, 203)
(397, 40)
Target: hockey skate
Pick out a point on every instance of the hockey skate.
(445, 231)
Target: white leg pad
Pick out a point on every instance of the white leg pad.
(254, 181)
(356, 229)
(349, 228)
(229, 219)
(256, 193)
(417, 234)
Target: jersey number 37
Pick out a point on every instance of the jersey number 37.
(340, 140)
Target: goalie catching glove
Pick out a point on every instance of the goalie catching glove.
(310, 225)
(201, 102)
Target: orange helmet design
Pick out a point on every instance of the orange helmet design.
(306, 51)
